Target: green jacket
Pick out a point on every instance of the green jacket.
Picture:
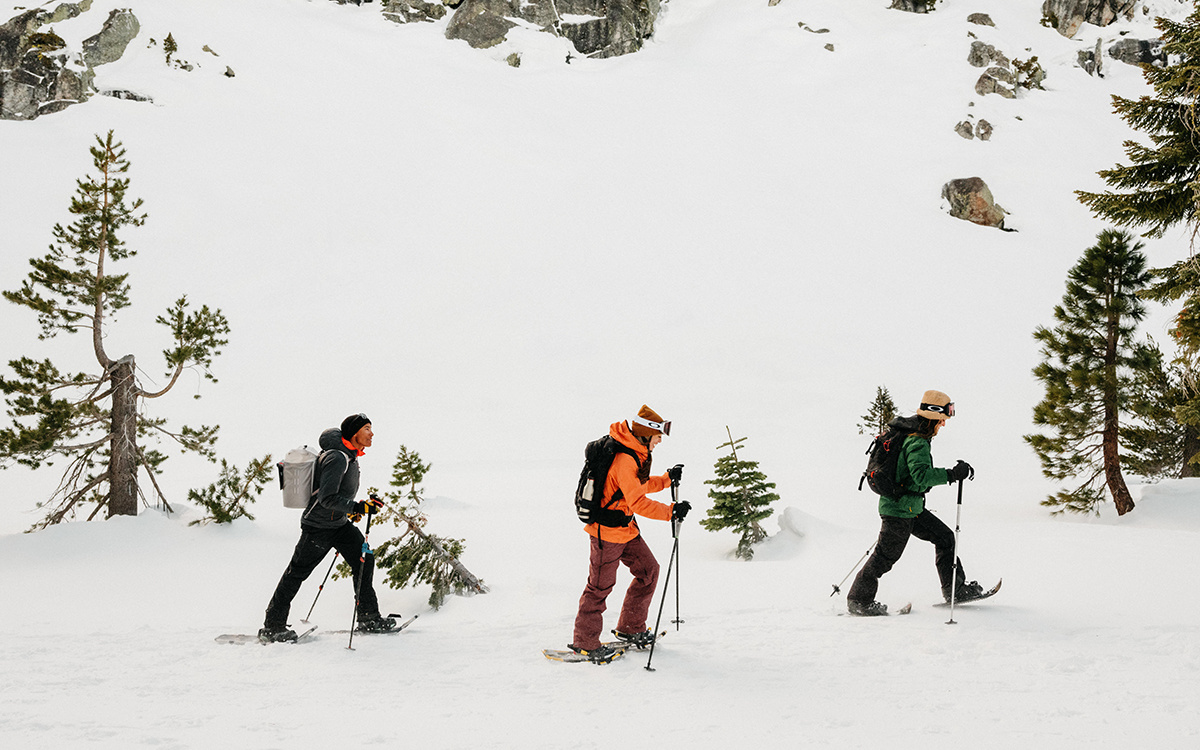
(916, 473)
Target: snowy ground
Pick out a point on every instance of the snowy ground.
(735, 226)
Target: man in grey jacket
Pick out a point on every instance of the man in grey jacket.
(326, 524)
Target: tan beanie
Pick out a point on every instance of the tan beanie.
(936, 405)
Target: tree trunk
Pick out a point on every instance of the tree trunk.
(1191, 446)
(122, 461)
(466, 576)
(1112, 433)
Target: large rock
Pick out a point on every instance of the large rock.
(911, 6)
(971, 200)
(39, 74)
(109, 44)
(983, 55)
(413, 11)
(597, 28)
(1138, 52)
(1066, 16)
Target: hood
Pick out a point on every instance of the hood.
(622, 434)
(331, 439)
(906, 424)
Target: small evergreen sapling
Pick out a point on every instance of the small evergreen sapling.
(415, 556)
(227, 498)
(881, 412)
(741, 498)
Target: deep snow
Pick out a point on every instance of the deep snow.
(735, 226)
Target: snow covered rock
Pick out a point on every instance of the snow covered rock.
(971, 200)
(997, 80)
(413, 11)
(911, 6)
(38, 75)
(1138, 52)
(983, 54)
(1066, 16)
(597, 28)
(981, 19)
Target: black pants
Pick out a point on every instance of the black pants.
(314, 544)
(893, 538)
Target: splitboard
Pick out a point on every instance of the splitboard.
(986, 595)
(393, 631)
(242, 638)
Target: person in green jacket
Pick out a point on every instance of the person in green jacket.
(906, 516)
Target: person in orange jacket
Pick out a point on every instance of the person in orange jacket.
(625, 490)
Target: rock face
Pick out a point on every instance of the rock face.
(597, 28)
(1138, 52)
(413, 11)
(116, 34)
(971, 200)
(39, 75)
(1066, 16)
(911, 6)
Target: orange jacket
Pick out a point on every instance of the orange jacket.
(623, 476)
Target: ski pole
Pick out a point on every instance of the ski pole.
(954, 575)
(666, 584)
(362, 573)
(837, 586)
(675, 499)
(321, 587)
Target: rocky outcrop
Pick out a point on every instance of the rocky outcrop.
(1066, 16)
(413, 11)
(997, 80)
(983, 55)
(39, 74)
(981, 19)
(1138, 52)
(971, 200)
(912, 6)
(110, 43)
(596, 28)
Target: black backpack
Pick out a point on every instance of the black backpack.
(882, 457)
(597, 459)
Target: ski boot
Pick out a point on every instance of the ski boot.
(866, 609)
(602, 654)
(640, 641)
(276, 634)
(967, 591)
(375, 623)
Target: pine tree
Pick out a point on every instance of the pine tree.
(881, 412)
(227, 498)
(415, 556)
(1089, 369)
(741, 496)
(93, 418)
(1159, 189)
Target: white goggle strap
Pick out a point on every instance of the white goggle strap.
(663, 427)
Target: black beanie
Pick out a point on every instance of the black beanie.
(352, 424)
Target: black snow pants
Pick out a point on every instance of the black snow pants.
(893, 538)
(314, 544)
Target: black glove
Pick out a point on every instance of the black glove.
(962, 470)
(371, 505)
(680, 510)
(675, 473)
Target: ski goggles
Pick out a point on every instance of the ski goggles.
(663, 427)
(947, 409)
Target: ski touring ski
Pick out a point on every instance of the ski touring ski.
(393, 631)
(984, 595)
(243, 638)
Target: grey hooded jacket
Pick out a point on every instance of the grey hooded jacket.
(336, 484)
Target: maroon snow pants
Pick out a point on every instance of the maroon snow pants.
(602, 576)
